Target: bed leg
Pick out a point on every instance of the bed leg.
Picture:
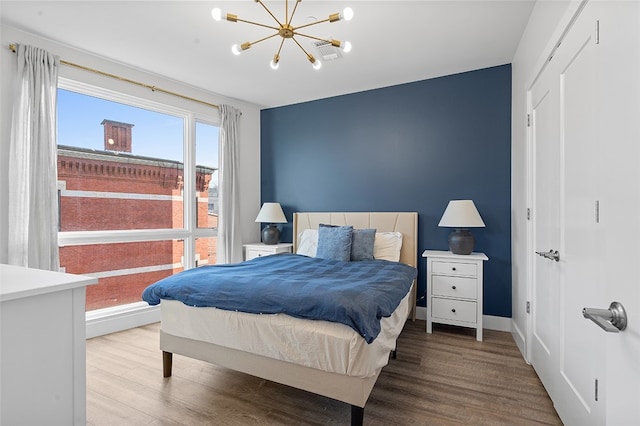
(167, 363)
(357, 415)
(394, 354)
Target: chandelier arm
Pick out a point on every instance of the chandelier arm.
(290, 18)
(326, 40)
(262, 39)
(269, 12)
(280, 48)
(258, 24)
(312, 23)
(300, 46)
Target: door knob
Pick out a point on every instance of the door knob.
(551, 254)
(612, 320)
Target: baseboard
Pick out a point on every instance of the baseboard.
(421, 313)
(119, 318)
(519, 338)
(489, 322)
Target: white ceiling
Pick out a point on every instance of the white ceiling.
(394, 42)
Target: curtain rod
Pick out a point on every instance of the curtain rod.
(13, 48)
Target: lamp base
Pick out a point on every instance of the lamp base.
(271, 234)
(461, 241)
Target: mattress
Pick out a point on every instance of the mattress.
(322, 345)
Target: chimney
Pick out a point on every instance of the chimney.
(117, 136)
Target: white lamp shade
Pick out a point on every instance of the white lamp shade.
(461, 214)
(271, 213)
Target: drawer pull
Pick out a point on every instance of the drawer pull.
(453, 287)
(453, 310)
(453, 269)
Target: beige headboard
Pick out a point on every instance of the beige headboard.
(404, 222)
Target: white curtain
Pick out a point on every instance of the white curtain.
(229, 238)
(33, 176)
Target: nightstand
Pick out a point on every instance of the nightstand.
(254, 250)
(454, 289)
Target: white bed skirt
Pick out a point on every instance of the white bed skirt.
(321, 345)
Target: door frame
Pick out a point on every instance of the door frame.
(571, 15)
(616, 391)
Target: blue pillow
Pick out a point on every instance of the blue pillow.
(334, 243)
(362, 244)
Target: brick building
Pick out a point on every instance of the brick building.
(114, 190)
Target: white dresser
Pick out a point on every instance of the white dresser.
(42, 347)
(454, 289)
(254, 250)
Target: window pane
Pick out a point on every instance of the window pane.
(119, 166)
(207, 175)
(206, 250)
(123, 270)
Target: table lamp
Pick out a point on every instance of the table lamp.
(271, 213)
(461, 214)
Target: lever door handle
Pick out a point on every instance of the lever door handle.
(551, 254)
(612, 320)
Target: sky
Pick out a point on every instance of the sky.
(154, 134)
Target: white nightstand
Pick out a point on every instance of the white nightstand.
(254, 250)
(454, 289)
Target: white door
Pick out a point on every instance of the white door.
(619, 135)
(586, 189)
(581, 368)
(545, 136)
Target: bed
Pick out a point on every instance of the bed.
(337, 362)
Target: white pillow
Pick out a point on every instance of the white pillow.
(387, 246)
(308, 242)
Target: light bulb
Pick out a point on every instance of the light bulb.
(347, 14)
(236, 49)
(274, 65)
(346, 47)
(216, 13)
(317, 65)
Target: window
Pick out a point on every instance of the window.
(124, 166)
(207, 211)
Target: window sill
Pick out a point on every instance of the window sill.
(118, 318)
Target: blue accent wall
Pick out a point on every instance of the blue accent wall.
(411, 147)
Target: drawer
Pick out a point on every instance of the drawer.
(464, 287)
(253, 253)
(453, 310)
(454, 268)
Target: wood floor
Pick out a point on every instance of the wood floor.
(444, 378)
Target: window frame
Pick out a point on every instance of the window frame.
(191, 114)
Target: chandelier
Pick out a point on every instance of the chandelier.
(287, 31)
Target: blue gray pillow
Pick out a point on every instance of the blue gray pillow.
(334, 242)
(362, 244)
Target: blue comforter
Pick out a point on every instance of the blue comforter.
(357, 294)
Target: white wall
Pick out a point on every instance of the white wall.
(548, 19)
(249, 131)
